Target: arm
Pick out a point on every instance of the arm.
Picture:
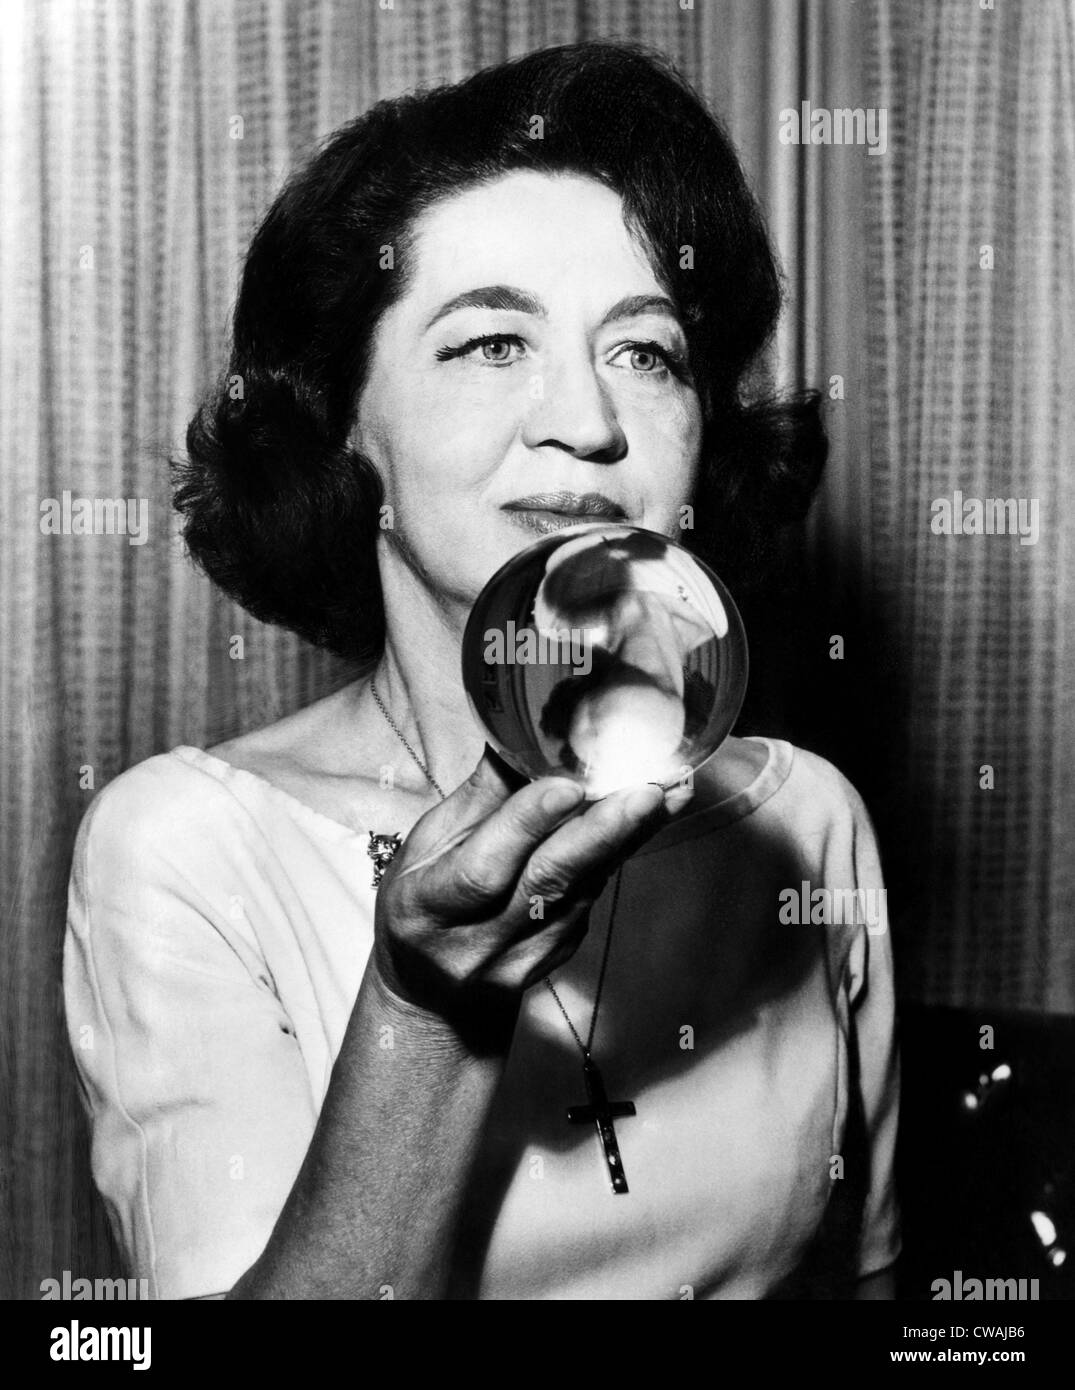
(376, 1201)
(378, 1197)
(873, 1010)
(207, 1145)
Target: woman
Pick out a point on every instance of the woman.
(482, 312)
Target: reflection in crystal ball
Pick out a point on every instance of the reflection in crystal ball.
(608, 654)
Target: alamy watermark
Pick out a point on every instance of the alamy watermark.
(985, 516)
(559, 646)
(846, 125)
(75, 1290)
(959, 1289)
(77, 1343)
(820, 907)
(67, 515)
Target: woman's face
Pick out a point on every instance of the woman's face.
(534, 359)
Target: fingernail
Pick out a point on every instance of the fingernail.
(558, 799)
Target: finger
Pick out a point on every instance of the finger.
(490, 784)
(504, 769)
(678, 797)
(588, 847)
(543, 924)
(480, 866)
(568, 943)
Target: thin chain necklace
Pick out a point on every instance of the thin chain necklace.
(599, 1110)
(399, 734)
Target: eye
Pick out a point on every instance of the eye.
(495, 349)
(652, 359)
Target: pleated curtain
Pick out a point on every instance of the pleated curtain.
(141, 141)
(971, 351)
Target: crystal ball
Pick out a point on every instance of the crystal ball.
(607, 654)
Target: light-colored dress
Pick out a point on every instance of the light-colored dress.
(218, 932)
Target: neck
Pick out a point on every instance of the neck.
(419, 676)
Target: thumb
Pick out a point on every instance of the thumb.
(491, 783)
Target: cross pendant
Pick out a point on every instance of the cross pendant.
(601, 1112)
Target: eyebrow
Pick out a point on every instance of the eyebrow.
(508, 297)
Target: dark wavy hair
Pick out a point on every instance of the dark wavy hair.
(279, 509)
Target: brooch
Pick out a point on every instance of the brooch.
(381, 849)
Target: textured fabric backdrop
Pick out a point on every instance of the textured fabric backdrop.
(127, 192)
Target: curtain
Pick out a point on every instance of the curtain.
(139, 144)
(971, 356)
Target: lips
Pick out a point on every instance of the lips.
(552, 511)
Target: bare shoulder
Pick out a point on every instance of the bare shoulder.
(322, 755)
(328, 755)
(303, 743)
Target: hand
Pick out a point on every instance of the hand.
(457, 930)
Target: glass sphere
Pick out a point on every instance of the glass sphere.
(607, 654)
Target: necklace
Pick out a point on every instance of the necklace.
(599, 1110)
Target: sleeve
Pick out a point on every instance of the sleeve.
(871, 994)
(198, 1096)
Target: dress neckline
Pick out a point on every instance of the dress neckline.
(239, 778)
(769, 779)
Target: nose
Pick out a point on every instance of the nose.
(574, 413)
